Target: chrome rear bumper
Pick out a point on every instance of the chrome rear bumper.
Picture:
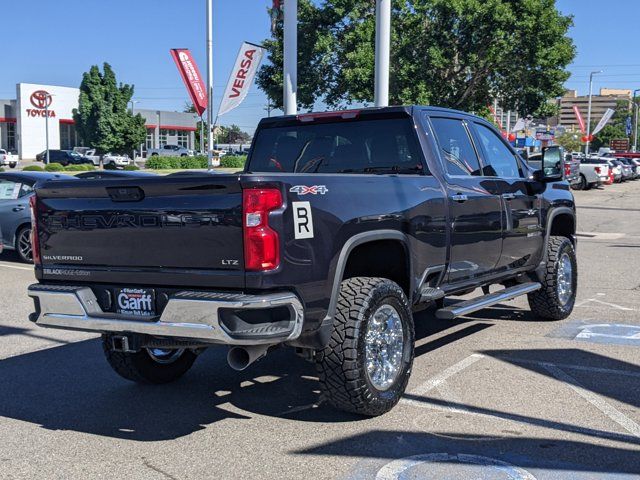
(196, 316)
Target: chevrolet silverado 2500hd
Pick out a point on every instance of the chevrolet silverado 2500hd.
(340, 225)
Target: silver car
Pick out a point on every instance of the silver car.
(15, 217)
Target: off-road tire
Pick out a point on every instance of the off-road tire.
(139, 367)
(341, 364)
(544, 303)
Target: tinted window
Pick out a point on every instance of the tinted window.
(457, 151)
(9, 190)
(501, 162)
(363, 146)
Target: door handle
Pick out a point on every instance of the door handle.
(18, 209)
(508, 196)
(459, 197)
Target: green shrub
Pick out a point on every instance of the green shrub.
(131, 168)
(1, 169)
(54, 167)
(231, 161)
(79, 168)
(33, 168)
(175, 163)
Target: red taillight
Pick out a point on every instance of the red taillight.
(35, 241)
(261, 243)
(597, 169)
(567, 169)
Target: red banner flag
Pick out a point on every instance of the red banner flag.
(191, 77)
(576, 110)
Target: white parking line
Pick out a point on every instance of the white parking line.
(28, 269)
(607, 371)
(596, 400)
(439, 379)
(607, 304)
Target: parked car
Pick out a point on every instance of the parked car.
(572, 170)
(593, 173)
(8, 159)
(627, 171)
(630, 166)
(340, 225)
(170, 151)
(16, 190)
(67, 157)
(636, 163)
(108, 159)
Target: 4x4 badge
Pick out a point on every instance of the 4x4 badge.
(313, 190)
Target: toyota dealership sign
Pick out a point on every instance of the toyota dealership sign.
(34, 103)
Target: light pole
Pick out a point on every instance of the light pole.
(47, 98)
(586, 147)
(635, 132)
(290, 84)
(133, 102)
(383, 45)
(210, 83)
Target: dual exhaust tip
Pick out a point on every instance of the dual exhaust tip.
(239, 358)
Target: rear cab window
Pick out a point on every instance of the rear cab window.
(457, 151)
(376, 146)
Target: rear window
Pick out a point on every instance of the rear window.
(363, 146)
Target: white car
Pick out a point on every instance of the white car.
(116, 160)
(593, 173)
(8, 159)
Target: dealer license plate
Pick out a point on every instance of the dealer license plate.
(137, 302)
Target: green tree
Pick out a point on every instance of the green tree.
(233, 134)
(452, 53)
(570, 141)
(102, 118)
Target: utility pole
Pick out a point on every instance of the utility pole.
(586, 147)
(383, 46)
(133, 102)
(635, 132)
(209, 83)
(268, 108)
(290, 57)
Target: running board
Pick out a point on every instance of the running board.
(475, 304)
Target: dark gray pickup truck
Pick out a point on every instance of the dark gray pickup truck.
(341, 224)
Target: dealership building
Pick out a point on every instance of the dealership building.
(23, 122)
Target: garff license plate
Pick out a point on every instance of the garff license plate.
(137, 302)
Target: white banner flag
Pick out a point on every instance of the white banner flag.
(520, 125)
(603, 121)
(244, 71)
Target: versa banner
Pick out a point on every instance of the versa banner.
(576, 110)
(242, 75)
(604, 120)
(191, 77)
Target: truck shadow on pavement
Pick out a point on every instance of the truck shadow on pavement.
(71, 387)
(523, 440)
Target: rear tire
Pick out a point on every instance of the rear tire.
(145, 367)
(13, 165)
(556, 298)
(582, 184)
(366, 365)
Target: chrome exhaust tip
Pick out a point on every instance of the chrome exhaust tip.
(239, 358)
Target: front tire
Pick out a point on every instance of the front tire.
(366, 365)
(556, 298)
(149, 366)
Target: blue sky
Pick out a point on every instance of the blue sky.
(53, 42)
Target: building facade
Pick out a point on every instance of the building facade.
(24, 122)
(608, 98)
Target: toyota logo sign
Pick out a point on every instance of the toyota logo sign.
(40, 99)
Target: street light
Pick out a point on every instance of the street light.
(47, 97)
(586, 147)
(635, 133)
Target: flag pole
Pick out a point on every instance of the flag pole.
(290, 84)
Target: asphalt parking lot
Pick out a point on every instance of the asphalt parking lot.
(497, 395)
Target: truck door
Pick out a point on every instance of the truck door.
(474, 207)
(522, 233)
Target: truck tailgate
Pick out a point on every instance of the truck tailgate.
(143, 226)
